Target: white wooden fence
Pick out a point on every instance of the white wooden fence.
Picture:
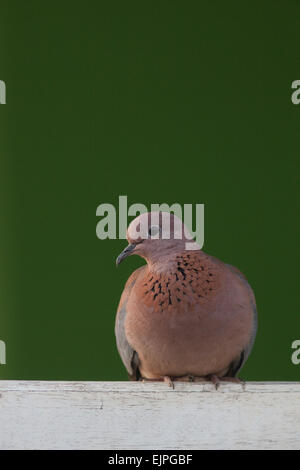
(136, 415)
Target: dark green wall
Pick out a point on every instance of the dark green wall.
(168, 101)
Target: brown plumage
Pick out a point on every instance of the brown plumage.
(184, 313)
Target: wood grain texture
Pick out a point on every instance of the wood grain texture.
(135, 415)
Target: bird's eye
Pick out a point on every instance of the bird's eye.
(153, 230)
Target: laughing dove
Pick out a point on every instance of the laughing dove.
(185, 314)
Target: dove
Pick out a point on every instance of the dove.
(184, 315)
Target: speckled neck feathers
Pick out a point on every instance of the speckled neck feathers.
(188, 276)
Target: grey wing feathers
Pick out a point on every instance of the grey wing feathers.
(236, 365)
(127, 353)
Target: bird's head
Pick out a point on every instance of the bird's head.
(154, 234)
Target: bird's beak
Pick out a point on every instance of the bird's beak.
(126, 252)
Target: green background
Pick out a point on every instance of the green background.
(163, 101)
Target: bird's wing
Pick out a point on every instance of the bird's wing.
(127, 353)
(238, 363)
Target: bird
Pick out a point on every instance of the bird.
(184, 315)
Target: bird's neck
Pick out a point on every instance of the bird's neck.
(161, 265)
(167, 261)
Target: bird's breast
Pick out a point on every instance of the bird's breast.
(189, 281)
(185, 321)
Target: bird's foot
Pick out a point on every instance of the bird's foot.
(168, 380)
(184, 378)
(215, 380)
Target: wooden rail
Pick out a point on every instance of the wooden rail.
(136, 415)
